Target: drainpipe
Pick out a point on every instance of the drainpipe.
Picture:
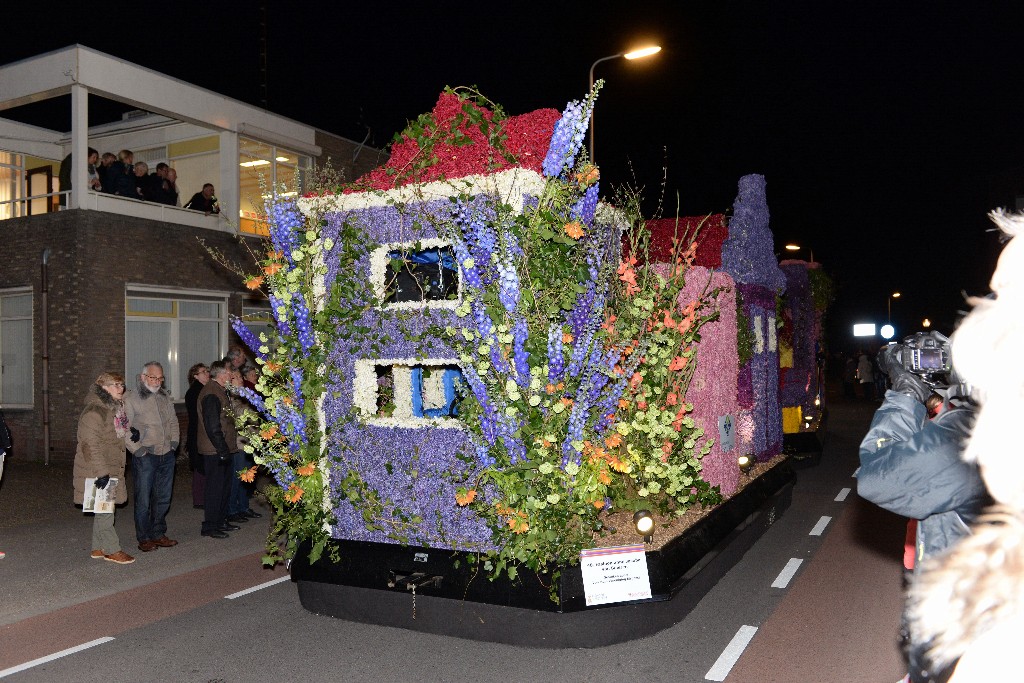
(45, 287)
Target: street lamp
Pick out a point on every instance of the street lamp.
(894, 295)
(797, 247)
(633, 54)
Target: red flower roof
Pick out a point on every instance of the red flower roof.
(526, 139)
(711, 232)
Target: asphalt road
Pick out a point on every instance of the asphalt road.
(815, 600)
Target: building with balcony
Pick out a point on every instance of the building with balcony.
(106, 282)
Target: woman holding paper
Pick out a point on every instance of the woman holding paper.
(102, 429)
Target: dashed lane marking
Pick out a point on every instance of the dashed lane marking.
(820, 526)
(268, 584)
(55, 655)
(731, 654)
(787, 573)
(842, 495)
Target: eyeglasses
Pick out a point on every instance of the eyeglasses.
(115, 384)
(156, 378)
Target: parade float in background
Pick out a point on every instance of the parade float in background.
(481, 375)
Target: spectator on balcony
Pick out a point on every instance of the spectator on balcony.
(103, 171)
(122, 176)
(204, 201)
(64, 175)
(156, 188)
(172, 184)
(142, 180)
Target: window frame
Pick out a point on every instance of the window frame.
(11, 292)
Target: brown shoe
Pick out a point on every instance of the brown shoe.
(120, 557)
(97, 555)
(164, 542)
(146, 546)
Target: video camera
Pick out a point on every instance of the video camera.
(925, 354)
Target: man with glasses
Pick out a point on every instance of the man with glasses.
(153, 441)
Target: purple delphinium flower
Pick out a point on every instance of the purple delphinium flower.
(556, 357)
(306, 338)
(247, 337)
(256, 401)
(285, 221)
(584, 209)
(297, 377)
(520, 356)
(280, 316)
(567, 137)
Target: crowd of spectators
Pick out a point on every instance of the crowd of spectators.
(121, 175)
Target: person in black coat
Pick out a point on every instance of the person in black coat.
(204, 201)
(198, 376)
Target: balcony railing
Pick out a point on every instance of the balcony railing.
(110, 203)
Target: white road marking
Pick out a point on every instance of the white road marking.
(55, 655)
(787, 573)
(731, 654)
(842, 495)
(268, 584)
(820, 526)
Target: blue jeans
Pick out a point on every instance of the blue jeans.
(154, 482)
(238, 498)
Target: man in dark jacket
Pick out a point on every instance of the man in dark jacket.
(911, 465)
(204, 201)
(217, 443)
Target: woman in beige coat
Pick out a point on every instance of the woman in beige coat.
(102, 428)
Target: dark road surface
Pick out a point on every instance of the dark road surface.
(816, 600)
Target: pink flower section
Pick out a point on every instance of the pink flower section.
(713, 390)
(526, 138)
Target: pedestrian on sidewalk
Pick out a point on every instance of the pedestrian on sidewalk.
(218, 443)
(102, 429)
(153, 444)
(198, 376)
(5, 445)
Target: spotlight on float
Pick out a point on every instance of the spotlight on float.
(644, 523)
(745, 462)
(887, 332)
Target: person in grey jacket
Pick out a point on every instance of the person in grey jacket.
(153, 443)
(911, 465)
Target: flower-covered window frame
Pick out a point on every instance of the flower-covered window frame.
(382, 274)
(421, 392)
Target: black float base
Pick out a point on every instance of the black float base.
(373, 582)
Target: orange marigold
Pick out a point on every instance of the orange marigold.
(463, 497)
(272, 366)
(574, 230)
(269, 433)
(293, 494)
(275, 255)
(567, 338)
(306, 469)
(598, 504)
(249, 475)
(604, 477)
(272, 268)
(613, 441)
(254, 282)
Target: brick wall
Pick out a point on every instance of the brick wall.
(93, 255)
(340, 152)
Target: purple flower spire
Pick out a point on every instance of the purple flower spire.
(556, 355)
(297, 377)
(584, 209)
(520, 355)
(567, 138)
(306, 338)
(247, 337)
(285, 221)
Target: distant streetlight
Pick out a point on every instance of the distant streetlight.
(797, 247)
(926, 323)
(633, 54)
(894, 295)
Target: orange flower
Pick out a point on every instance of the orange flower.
(623, 404)
(465, 498)
(604, 477)
(628, 276)
(254, 282)
(272, 366)
(598, 504)
(294, 494)
(672, 398)
(518, 525)
(269, 433)
(550, 388)
(306, 469)
(567, 402)
(636, 380)
(678, 363)
(642, 405)
(613, 441)
(669, 321)
(272, 268)
(249, 475)
(567, 338)
(618, 369)
(275, 255)
(287, 400)
(618, 465)
(574, 230)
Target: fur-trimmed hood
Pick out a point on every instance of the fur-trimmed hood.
(98, 394)
(962, 596)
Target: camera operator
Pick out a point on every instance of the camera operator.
(911, 464)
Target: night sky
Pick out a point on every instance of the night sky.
(886, 130)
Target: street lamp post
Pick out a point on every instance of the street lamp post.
(894, 295)
(634, 54)
(797, 247)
